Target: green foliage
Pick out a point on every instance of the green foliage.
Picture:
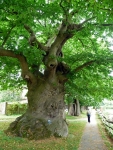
(10, 95)
(92, 83)
(16, 108)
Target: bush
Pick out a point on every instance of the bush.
(15, 108)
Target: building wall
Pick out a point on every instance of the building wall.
(2, 108)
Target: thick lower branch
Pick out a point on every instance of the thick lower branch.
(21, 59)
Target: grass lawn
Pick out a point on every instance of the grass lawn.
(76, 128)
(105, 136)
(82, 116)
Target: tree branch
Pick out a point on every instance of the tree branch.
(6, 38)
(86, 21)
(61, 36)
(73, 13)
(99, 61)
(108, 9)
(33, 39)
(81, 42)
(21, 59)
(84, 45)
(78, 27)
(104, 24)
(66, 11)
(50, 40)
(84, 65)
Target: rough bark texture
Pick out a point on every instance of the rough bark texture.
(71, 110)
(77, 108)
(45, 114)
(74, 108)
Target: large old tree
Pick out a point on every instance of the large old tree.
(53, 42)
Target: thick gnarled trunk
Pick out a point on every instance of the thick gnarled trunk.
(45, 114)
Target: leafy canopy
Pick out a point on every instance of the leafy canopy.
(88, 53)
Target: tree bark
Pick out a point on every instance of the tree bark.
(77, 107)
(71, 110)
(45, 114)
(74, 108)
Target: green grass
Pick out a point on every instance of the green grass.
(8, 117)
(105, 136)
(83, 115)
(70, 143)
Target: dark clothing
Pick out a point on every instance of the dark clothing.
(88, 118)
(88, 115)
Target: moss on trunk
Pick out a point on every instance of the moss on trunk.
(45, 114)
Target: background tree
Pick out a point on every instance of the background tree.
(54, 42)
(10, 95)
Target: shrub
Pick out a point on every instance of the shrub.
(15, 108)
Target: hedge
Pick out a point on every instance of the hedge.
(15, 108)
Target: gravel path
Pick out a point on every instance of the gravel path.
(91, 139)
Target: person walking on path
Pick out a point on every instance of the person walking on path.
(88, 115)
(91, 139)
